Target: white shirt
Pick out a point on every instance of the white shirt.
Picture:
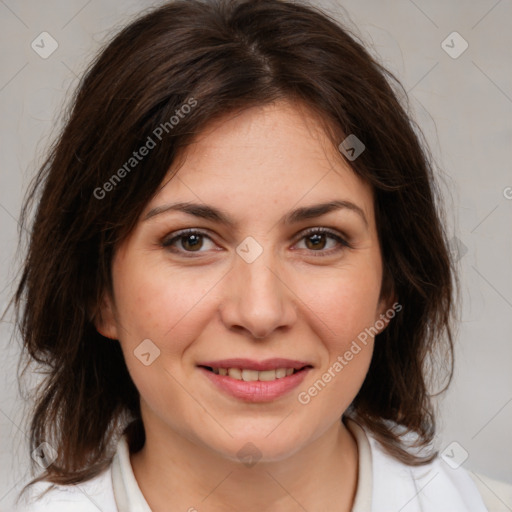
(384, 485)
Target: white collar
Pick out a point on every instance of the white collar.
(384, 483)
(434, 487)
(129, 497)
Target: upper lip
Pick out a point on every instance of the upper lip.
(251, 364)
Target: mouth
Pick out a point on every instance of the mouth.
(254, 381)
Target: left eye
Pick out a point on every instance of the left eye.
(316, 240)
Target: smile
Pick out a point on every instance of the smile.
(256, 385)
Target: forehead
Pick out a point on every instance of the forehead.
(275, 156)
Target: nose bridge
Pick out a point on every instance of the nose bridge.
(260, 278)
(259, 301)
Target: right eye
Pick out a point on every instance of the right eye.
(190, 240)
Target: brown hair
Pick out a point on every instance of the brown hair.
(226, 55)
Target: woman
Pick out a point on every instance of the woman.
(237, 278)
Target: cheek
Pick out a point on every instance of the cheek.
(168, 307)
(158, 302)
(343, 315)
(345, 303)
(342, 308)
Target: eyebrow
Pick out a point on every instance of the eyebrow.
(219, 216)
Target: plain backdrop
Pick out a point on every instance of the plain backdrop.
(461, 99)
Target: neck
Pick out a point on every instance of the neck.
(174, 472)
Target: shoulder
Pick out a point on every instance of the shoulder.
(437, 485)
(497, 495)
(89, 496)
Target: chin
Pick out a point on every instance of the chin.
(249, 448)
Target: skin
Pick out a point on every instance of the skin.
(290, 302)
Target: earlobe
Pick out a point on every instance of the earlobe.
(106, 333)
(382, 323)
(104, 319)
(387, 311)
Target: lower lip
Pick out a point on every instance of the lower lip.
(256, 391)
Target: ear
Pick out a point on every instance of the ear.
(387, 309)
(104, 318)
(388, 306)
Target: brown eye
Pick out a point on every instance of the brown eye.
(316, 241)
(323, 242)
(189, 241)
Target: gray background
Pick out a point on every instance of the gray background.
(462, 104)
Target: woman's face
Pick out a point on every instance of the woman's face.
(259, 288)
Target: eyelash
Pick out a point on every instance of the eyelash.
(168, 242)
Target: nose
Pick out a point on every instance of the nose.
(258, 300)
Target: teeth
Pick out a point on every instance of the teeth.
(254, 375)
(235, 373)
(267, 375)
(249, 375)
(280, 373)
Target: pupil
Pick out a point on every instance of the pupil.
(195, 242)
(317, 237)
